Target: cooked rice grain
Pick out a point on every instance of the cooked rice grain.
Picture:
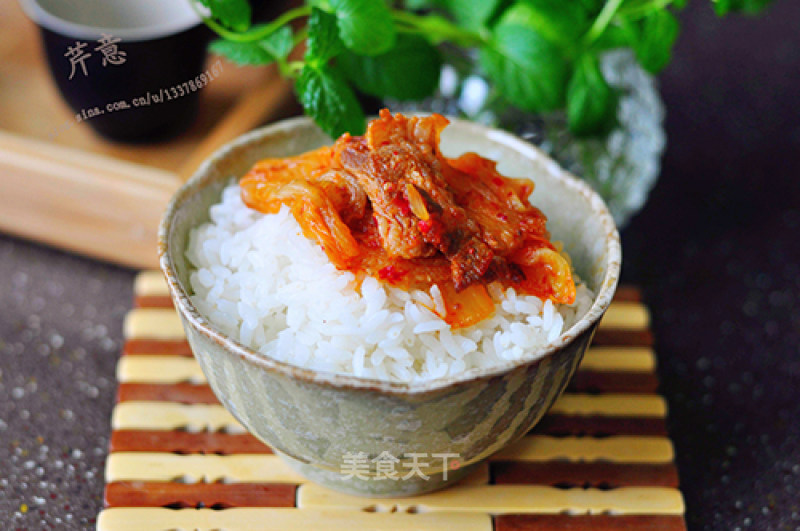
(260, 281)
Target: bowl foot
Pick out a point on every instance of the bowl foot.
(377, 488)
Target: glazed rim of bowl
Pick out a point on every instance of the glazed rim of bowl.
(136, 21)
(184, 304)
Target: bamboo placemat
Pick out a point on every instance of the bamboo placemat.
(600, 459)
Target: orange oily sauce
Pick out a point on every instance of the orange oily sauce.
(332, 210)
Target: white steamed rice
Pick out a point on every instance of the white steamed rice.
(260, 281)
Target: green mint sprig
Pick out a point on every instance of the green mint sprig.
(539, 55)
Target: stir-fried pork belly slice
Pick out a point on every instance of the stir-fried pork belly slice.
(398, 164)
(461, 207)
(382, 177)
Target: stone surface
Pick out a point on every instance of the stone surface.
(60, 334)
(717, 250)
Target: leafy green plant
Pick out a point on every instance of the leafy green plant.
(540, 55)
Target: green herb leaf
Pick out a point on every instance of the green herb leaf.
(658, 34)
(750, 7)
(592, 7)
(323, 37)
(242, 53)
(365, 26)
(472, 15)
(415, 5)
(235, 14)
(279, 43)
(438, 29)
(616, 36)
(527, 69)
(275, 47)
(591, 103)
(408, 71)
(328, 99)
(556, 20)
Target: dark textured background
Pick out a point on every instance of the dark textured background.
(717, 251)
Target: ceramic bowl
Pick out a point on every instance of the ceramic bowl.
(317, 420)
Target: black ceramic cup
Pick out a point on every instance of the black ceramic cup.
(132, 69)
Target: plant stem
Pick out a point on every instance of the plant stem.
(436, 26)
(293, 68)
(262, 32)
(300, 36)
(601, 22)
(635, 11)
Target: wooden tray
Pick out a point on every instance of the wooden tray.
(64, 185)
(600, 459)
